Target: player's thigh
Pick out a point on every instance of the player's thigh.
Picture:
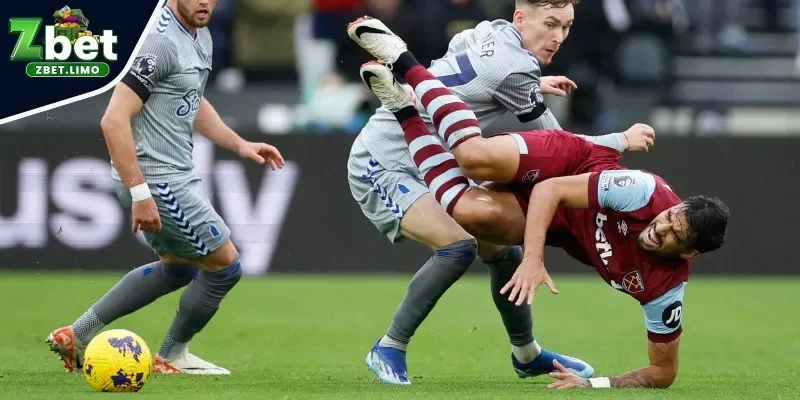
(124, 197)
(191, 228)
(192, 231)
(428, 223)
(390, 199)
(492, 214)
(494, 159)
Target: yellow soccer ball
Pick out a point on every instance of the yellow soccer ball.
(117, 360)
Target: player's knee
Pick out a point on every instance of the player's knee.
(463, 252)
(480, 219)
(219, 259)
(179, 275)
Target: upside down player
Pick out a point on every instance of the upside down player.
(148, 127)
(494, 68)
(628, 224)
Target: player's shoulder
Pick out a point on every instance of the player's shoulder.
(503, 50)
(663, 196)
(162, 36)
(621, 190)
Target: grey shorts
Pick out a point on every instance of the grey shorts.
(383, 195)
(190, 227)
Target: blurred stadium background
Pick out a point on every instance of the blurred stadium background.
(718, 79)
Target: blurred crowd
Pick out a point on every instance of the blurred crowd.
(613, 42)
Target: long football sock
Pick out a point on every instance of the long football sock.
(517, 320)
(437, 166)
(199, 302)
(454, 120)
(428, 285)
(135, 290)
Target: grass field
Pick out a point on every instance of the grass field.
(306, 338)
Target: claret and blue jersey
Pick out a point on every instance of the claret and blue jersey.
(622, 203)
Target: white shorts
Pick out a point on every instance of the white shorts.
(383, 195)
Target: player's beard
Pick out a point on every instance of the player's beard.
(201, 20)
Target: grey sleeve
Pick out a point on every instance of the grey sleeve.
(157, 59)
(547, 120)
(519, 93)
(615, 141)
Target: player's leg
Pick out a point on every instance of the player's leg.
(527, 358)
(502, 262)
(192, 229)
(479, 158)
(400, 206)
(494, 216)
(493, 206)
(135, 290)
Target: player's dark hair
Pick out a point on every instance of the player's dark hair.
(708, 221)
(548, 3)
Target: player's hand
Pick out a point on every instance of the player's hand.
(145, 216)
(526, 279)
(566, 379)
(557, 85)
(640, 137)
(262, 153)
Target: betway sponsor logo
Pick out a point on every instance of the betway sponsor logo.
(602, 246)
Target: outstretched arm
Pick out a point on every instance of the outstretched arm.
(639, 137)
(660, 373)
(209, 124)
(546, 197)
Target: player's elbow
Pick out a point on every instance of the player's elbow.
(665, 378)
(110, 123)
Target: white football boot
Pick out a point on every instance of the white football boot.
(380, 81)
(187, 363)
(377, 39)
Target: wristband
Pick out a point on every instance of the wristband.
(140, 192)
(600, 383)
(625, 138)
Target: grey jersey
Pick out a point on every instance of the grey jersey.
(487, 68)
(169, 74)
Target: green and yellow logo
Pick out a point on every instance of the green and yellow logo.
(70, 49)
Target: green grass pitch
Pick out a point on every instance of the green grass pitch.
(287, 337)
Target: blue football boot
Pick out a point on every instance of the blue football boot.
(389, 364)
(544, 365)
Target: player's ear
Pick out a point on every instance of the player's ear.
(689, 254)
(518, 18)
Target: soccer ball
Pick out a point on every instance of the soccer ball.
(117, 360)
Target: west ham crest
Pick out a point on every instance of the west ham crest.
(530, 176)
(633, 282)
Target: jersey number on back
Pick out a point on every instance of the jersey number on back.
(464, 77)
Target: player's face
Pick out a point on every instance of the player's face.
(196, 13)
(543, 29)
(669, 234)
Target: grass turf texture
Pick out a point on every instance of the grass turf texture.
(289, 337)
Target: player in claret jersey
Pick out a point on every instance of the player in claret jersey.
(639, 236)
(628, 224)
